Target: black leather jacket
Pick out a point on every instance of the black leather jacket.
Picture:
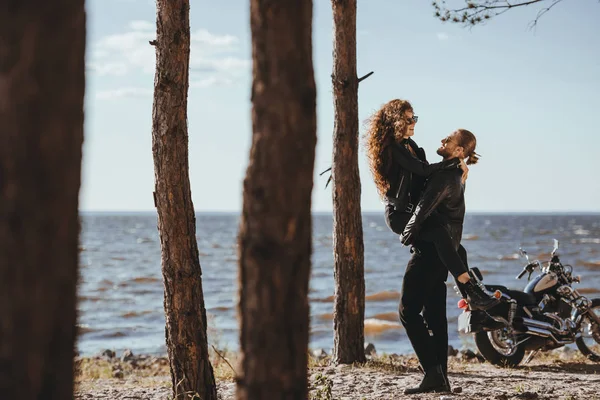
(444, 194)
(407, 174)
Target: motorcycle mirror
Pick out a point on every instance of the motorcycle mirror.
(523, 253)
(555, 249)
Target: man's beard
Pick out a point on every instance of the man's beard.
(443, 152)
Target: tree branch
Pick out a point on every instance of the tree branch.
(543, 11)
(224, 359)
(476, 12)
(368, 75)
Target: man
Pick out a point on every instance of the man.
(424, 283)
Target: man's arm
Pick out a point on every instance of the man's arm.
(418, 167)
(436, 190)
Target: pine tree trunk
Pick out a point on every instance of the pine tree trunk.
(347, 221)
(42, 84)
(276, 225)
(191, 371)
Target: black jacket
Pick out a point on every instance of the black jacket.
(444, 194)
(407, 174)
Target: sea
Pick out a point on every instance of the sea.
(120, 289)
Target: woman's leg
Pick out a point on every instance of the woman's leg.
(455, 261)
(396, 220)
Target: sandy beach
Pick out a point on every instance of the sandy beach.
(560, 374)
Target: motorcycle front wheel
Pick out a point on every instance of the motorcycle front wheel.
(498, 348)
(589, 341)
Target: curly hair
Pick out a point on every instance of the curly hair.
(384, 126)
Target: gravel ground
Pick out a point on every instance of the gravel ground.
(561, 376)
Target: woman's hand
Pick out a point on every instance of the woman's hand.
(465, 171)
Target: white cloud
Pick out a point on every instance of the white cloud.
(204, 37)
(117, 68)
(142, 26)
(130, 51)
(211, 81)
(124, 92)
(443, 36)
(227, 64)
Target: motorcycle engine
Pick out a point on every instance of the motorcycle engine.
(564, 310)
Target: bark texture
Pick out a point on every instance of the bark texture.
(191, 371)
(348, 247)
(276, 225)
(42, 84)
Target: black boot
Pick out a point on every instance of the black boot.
(445, 372)
(434, 381)
(476, 294)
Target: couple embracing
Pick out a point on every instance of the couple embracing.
(424, 204)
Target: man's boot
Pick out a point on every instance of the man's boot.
(433, 381)
(445, 372)
(476, 294)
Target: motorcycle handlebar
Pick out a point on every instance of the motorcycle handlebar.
(522, 273)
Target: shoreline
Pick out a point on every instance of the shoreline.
(562, 374)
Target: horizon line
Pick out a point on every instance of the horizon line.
(152, 211)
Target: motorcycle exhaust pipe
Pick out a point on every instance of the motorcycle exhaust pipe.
(539, 328)
(538, 332)
(542, 325)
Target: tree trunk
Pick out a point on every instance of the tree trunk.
(191, 371)
(348, 344)
(276, 225)
(42, 84)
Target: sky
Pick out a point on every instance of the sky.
(532, 98)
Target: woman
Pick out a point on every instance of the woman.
(399, 168)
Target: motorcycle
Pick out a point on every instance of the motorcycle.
(549, 313)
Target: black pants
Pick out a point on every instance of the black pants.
(424, 291)
(454, 260)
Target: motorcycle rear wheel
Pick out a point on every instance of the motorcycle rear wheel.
(591, 330)
(496, 348)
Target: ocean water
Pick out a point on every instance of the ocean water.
(121, 291)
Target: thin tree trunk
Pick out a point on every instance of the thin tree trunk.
(276, 225)
(42, 84)
(348, 344)
(191, 371)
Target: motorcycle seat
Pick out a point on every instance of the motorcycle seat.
(523, 298)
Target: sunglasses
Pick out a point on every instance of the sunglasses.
(450, 140)
(412, 119)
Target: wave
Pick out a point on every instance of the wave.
(220, 308)
(133, 314)
(470, 237)
(380, 296)
(84, 328)
(588, 290)
(383, 296)
(328, 299)
(116, 334)
(589, 264)
(514, 256)
(92, 299)
(141, 280)
(326, 317)
(375, 327)
(589, 240)
(144, 279)
(388, 316)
